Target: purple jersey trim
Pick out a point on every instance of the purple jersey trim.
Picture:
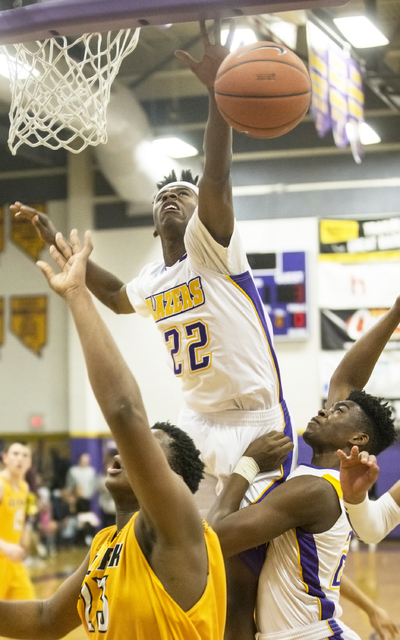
(309, 563)
(245, 283)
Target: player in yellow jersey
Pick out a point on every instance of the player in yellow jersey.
(159, 573)
(14, 580)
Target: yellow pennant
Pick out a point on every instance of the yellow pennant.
(1, 321)
(29, 321)
(25, 236)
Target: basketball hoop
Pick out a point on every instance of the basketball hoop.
(60, 89)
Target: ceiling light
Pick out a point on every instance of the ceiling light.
(241, 37)
(360, 32)
(175, 147)
(366, 134)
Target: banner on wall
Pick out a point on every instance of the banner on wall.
(359, 240)
(341, 328)
(1, 321)
(356, 286)
(29, 321)
(25, 236)
(1, 228)
(337, 93)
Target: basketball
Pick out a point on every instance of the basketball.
(263, 89)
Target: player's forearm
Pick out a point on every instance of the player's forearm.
(395, 492)
(373, 520)
(357, 365)
(107, 288)
(228, 502)
(217, 145)
(351, 592)
(25, 620)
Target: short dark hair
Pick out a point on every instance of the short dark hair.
(377, 420)
(185, 458)
(10, 443)
(186, 176)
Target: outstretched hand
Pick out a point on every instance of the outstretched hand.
(206, 69)
(42, 223)
(72, 260)
(383, 624)
(358, 472)
(270, 450)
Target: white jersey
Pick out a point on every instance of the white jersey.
(300, 580)
(212, 321)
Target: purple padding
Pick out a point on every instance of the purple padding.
(389, 464)
(92, 446)
(73, 17)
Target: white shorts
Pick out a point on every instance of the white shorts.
(222, 437)
(332, 629)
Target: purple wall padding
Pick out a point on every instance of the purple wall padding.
(93, 446)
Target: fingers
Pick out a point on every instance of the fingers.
(231, 34)
(46, 270)
(217, 31)
(204, 33)
(185, 57)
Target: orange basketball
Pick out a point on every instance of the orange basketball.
(263, 89)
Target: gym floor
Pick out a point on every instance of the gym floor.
(377, 573)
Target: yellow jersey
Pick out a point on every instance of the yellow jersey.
(122, 597)
(13, 511)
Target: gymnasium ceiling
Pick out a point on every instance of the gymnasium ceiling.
(176, 103)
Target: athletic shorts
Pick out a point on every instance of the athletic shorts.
(222, 437)
(14, 581)
(333, 629)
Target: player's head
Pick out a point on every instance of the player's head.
(361, 419)
(175, 203)
(181, 453)
(17, 458)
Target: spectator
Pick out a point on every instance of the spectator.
(81, 480)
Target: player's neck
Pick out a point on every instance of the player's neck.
(173, 250)
(325, 459)
(14, 479)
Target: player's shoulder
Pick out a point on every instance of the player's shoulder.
(309, 483)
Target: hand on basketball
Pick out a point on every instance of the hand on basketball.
(358, 472)
(42, 223)
(72, 260)
(270, 450)
(382, 624)
(206, 69)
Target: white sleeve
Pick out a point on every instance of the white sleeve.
(135, 295)
(372, 520)
(203, 249)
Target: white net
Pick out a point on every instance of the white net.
(60, 89)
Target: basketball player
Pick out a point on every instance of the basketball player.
(371, 520)
(159, 572)
(303, 519)
(204, 300)
(14, 580)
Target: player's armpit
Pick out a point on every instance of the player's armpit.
(307, 501)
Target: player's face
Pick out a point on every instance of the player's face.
(18, 459)
(334, 428)
(173, 208)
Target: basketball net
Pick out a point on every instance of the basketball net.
(60, 89)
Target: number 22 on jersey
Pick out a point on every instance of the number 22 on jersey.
(197, 338)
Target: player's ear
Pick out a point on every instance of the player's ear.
(155, 233)
(360, 439)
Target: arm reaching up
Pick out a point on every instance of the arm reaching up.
(371, 520)
(103, 284)
(357, 365)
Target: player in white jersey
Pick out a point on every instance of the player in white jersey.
(203, 299)
(296, 580)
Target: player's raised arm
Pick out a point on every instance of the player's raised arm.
(371, 520)
(357, 365)
(215, 188)
(164, 498)
(109, 289)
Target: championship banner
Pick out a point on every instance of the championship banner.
(25, 236)
(341, 328)
(337, 94)
(359, 240)
(29, 321)
(1, 228)
(1, 321)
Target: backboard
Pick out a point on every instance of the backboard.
(72, 17)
